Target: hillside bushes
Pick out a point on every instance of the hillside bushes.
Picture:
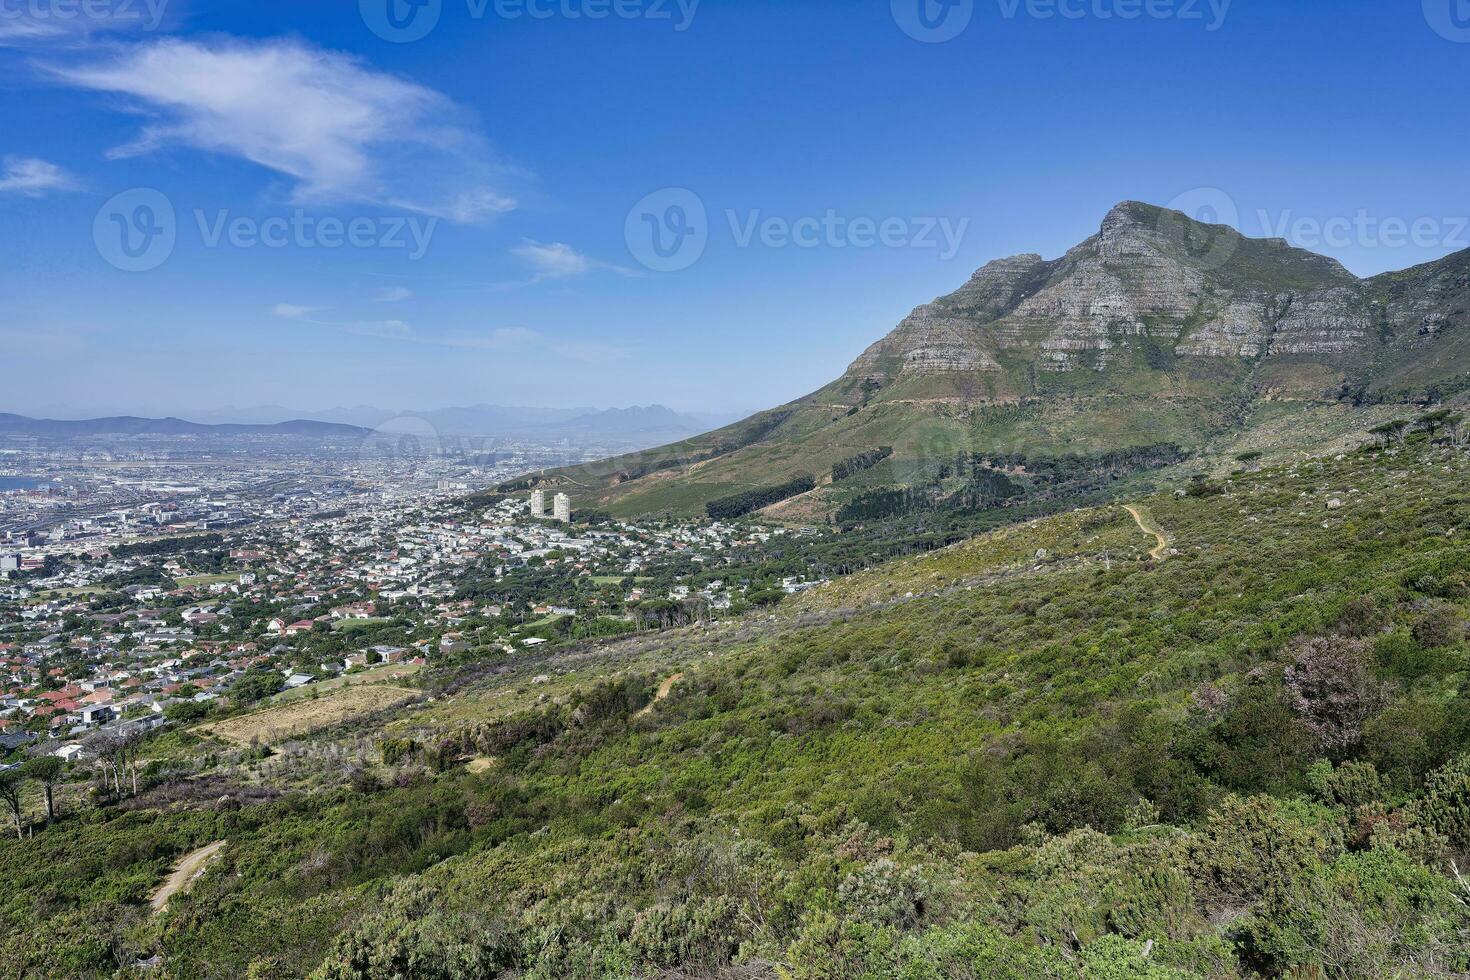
(1246, 760)
(1073, 468)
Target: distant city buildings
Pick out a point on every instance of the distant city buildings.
(360, 556)
(538, 503)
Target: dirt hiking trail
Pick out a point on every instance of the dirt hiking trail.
(1157, 554)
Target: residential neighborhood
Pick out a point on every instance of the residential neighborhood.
(124, 635)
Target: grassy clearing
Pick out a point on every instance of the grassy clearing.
(352, 625)
(1094, 535)
(198, 581)
(71, 593)
(385, 674)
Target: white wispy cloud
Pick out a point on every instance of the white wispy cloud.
(392, 294)
(340, 129)
(553, 260)
(291, 311)
(32, 177)
(21, 30)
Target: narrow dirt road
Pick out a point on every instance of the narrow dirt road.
(660, 695)
(1143, 525)
(191, 866)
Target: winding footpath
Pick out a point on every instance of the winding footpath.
(662, 694)
(190, 867)
(1157, 554)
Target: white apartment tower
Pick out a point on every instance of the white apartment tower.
(538, 503)
(562, 508)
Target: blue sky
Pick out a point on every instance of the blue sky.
(489, 175)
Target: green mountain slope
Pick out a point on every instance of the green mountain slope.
(1037, 754)
(1157, 330)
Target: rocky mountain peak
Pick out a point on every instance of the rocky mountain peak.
(1130, 216)
(1154, 290)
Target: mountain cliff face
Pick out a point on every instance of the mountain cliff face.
(1155, 290)
(1156, 329)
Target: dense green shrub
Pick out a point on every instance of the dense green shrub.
(1445, 805)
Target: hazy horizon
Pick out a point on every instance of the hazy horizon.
(221, 412)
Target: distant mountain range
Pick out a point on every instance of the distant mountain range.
(1157, 330)
(618, 429)
(635, 427)
(21, 425)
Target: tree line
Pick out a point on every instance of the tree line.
(853, 465)
(740, 504)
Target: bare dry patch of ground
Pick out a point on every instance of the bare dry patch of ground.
(310, 714)
(813, 506)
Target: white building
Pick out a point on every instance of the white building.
(563, 508)
(538, 503)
